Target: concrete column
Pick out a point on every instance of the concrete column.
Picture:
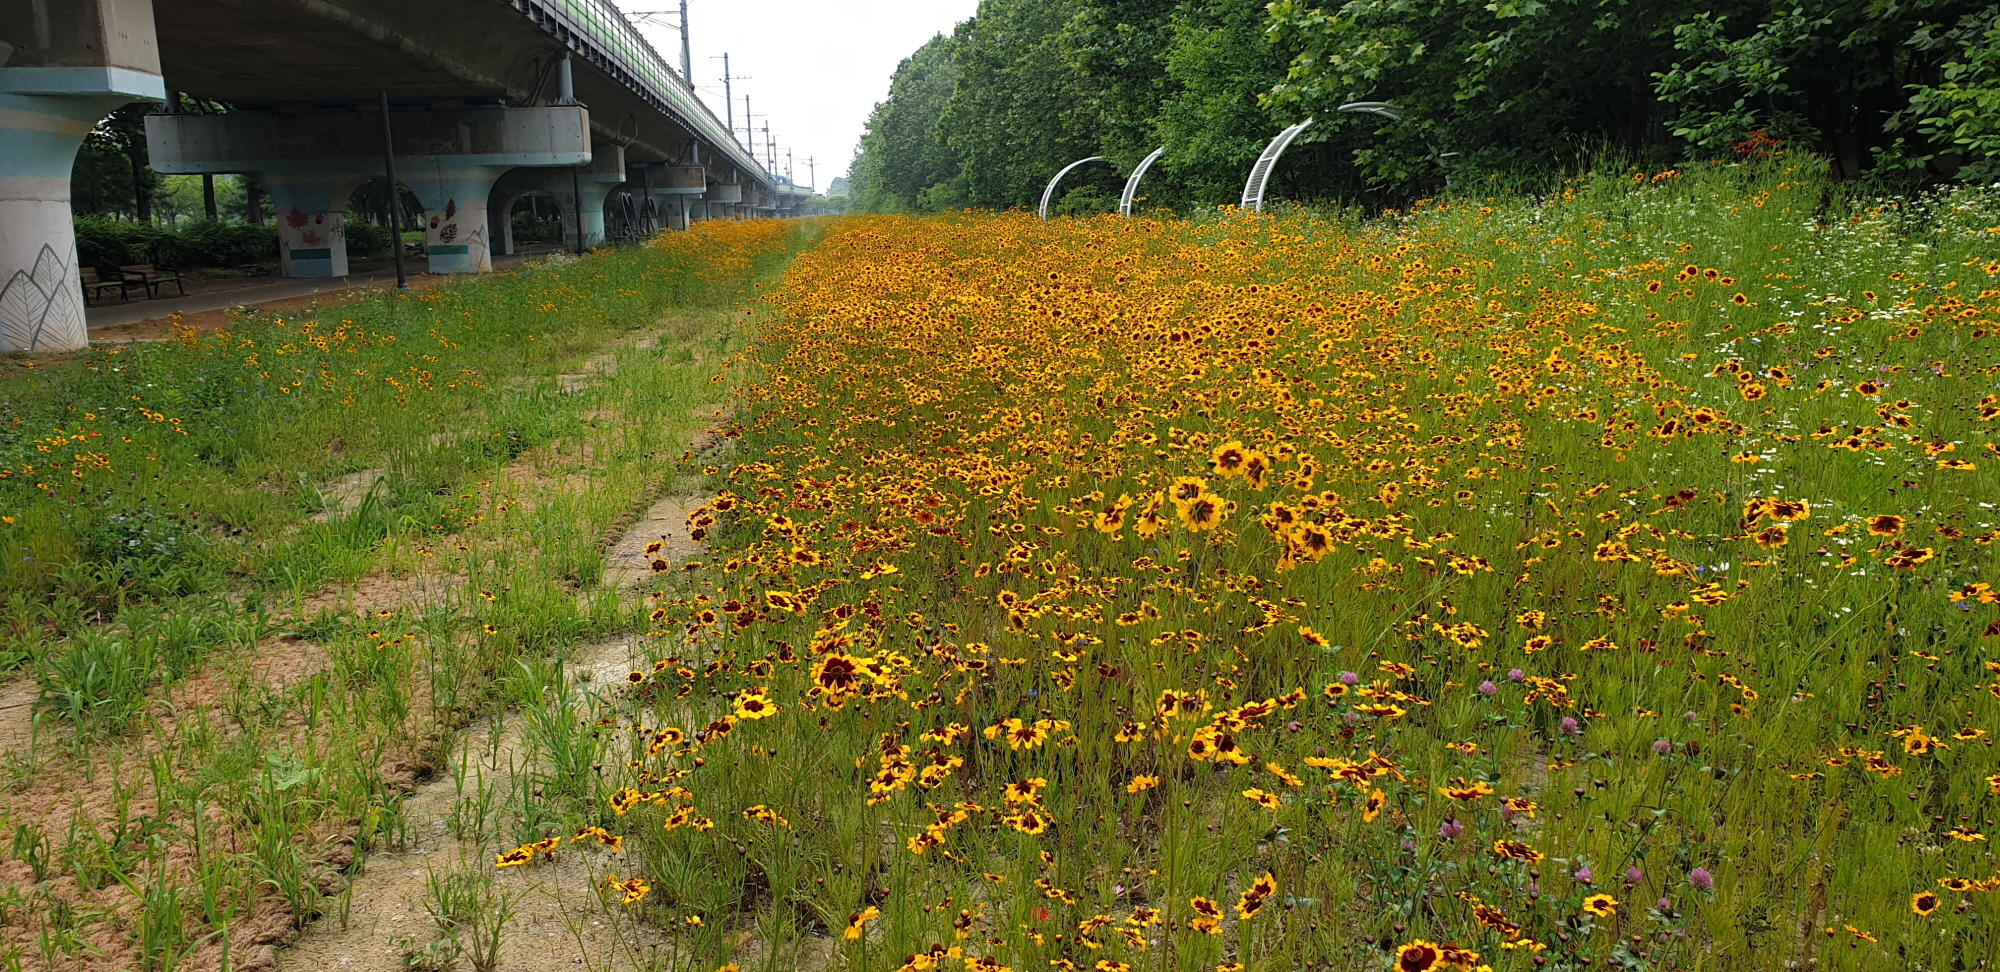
(311, 243)
(593, 195)
(66, 66)
(504, 212)
(312, 216)
(596, 180)
(682, 185)
(723, 199)
(592, 182)
(449, 158)
(457, 234)
(41, 305)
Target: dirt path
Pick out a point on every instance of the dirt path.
(221, 319)
(17, 712)
(559, 922)
(630, 560)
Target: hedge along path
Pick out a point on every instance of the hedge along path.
(298, 754)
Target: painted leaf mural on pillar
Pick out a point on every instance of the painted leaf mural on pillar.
(42, 308)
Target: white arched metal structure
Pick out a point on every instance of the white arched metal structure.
(1050, 192)
(1132, 184)
(1382, 108)
(1253, 188)
(1386, 110)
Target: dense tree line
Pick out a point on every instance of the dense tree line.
(1492, 90)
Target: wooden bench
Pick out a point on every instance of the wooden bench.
(151, 277)
(95, 285)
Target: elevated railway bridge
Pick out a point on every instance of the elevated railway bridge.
(479, 102)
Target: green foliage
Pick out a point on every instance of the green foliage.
(1523, 91)
(165, 469)
(101, 182)
(900, 154)
(1824, 74)
(1962, 111)
(109, 243)
(143, 545)
(985, 117)
(113, 163)
(1219, 63)
(1504, 85)
(1022, 110)
(100, 681)
(365, 239)
(103, 678)
(181, 197)
(529, 227)
(1120, 46)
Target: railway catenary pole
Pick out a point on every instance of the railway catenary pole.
(687, 62)
(728, 100)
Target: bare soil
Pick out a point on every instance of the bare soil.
(344, 495)
(17, 712)
(559, 924)
(628, 563)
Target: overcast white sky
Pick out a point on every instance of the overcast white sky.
(814, 68)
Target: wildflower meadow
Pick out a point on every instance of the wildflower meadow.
(1595, 580)
(1600, 580)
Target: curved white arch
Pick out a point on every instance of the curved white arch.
(1382, 108)
(1132, 184)
(1253, 189)
(1051, 190)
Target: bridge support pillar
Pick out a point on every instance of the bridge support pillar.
(590, 184)
(655, 199)
(677, 188)
(311, 202)
(592, 196)
(70, 70)
(457, 232)
(722, 200)
(450, 158)
(594, 183)
(41, 303)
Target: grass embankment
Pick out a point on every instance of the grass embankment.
(1591, 581)
(254, 579)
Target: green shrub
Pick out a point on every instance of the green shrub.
(101, 680)
(529, 228)
(106, 243)
(109, 243)
(216, 243)
(141, 551)
(366, 240)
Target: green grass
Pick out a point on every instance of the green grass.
(198, 544)
(146, 594)
(1014, 377)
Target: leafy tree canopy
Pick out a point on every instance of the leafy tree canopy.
(1488, 89)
